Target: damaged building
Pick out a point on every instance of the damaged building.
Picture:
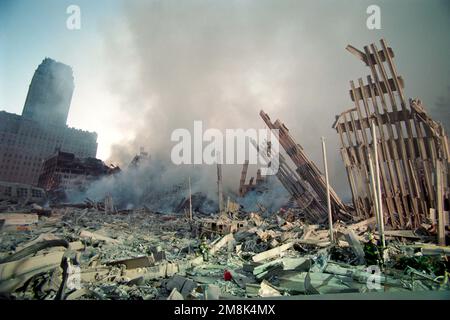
(412, 149)
(63, 171)
(252, 184)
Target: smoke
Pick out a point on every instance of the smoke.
(164, 188)
(272, 197)
(151, 183)
(440, 110)
(174, 62)
(220, 62)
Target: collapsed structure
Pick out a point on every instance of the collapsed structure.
(413, 149)
(252, 184)
(413, 155)
(64, 171)
(306, 183)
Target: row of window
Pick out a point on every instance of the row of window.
(19, 156)
(22, 192)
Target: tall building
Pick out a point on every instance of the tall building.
(50, 93)
(27, 140)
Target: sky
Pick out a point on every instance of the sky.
(144, 68)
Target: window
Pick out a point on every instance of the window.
(8, 191)
(36, 193)
(22, 192)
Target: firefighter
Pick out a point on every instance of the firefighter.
(372, 252)
(204, 249)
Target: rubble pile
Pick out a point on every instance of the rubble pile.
(75, 253)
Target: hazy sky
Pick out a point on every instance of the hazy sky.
(144, 68)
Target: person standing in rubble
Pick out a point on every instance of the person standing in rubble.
(373, 253)
(204, 249)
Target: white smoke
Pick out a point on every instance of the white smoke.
(174, 62)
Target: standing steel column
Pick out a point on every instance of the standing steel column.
(378, 186)
(325, 166)
(220, 186)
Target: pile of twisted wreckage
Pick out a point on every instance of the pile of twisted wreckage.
(393, 238)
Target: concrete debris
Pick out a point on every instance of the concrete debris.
(355, 245)
(148, 255)
(96, 236)
(266, 290)
(212, 292)
(18, 219)
(175, 295)
(275, 252)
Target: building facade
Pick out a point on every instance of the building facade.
(50, 93)
(64, 171)
(27, 140)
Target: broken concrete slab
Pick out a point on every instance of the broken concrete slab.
(183, 285)
(361, 275)
(21, 270)
(16, 219)
(275, 252)
(95, 236)
(317, 283)
(139, 262)
(215, 247)
(267, 290)
(175, 295)
(356, 246)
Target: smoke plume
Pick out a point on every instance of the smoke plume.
(174, 62)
